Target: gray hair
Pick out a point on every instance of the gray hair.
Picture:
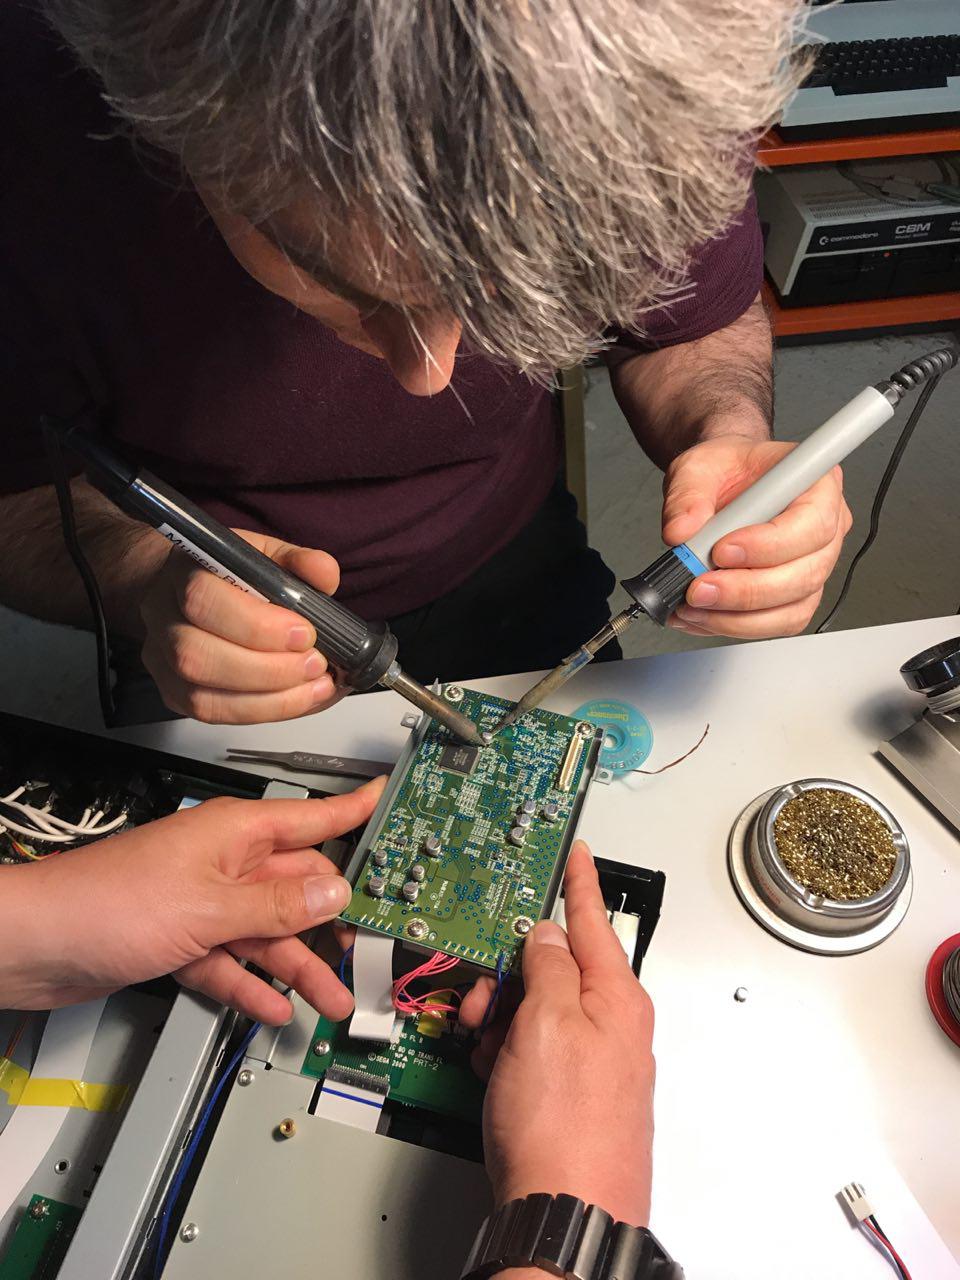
(545, 166)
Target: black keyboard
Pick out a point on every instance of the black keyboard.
(885, 66)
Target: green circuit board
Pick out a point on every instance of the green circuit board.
(39, 1244)
(468, 851)
(429, 1066)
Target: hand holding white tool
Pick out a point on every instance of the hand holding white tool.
(663, 585)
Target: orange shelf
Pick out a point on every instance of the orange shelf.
(841, 317)
(774, 150)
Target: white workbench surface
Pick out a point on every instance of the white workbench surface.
(833, 1067)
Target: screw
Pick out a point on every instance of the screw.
(189, 1231)
(522, 926)
(321, 1048)
(287, 1128)
(586, 729)
(740, 995)
(40, 1210)
(453, 693)
(417, 929)
(245, 1077)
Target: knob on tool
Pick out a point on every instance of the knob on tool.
(362, 654)
(663, 585)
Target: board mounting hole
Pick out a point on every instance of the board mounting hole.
(61, 1166)
(383, 1217)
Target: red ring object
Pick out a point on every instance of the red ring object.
(934, 984)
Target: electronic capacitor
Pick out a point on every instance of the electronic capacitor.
(411, 891)
(376, 886)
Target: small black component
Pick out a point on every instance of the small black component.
(359, 1079)
(459, 757)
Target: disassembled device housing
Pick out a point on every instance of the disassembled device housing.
(281, 1173)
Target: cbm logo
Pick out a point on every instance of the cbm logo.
(912, 228)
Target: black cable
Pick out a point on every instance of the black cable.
(68, 521)
(886, 1240)
(885, 481)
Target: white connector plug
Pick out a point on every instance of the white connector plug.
(855, 1202)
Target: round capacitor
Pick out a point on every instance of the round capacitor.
(550, 811)
(524, 820)
(432, 846)
(418, 871)
(376, 886)
(380, 858)
(528, 806)
(411, 891)
(517, 835)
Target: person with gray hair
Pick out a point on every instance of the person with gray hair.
(317, 265)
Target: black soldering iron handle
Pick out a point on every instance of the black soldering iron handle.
(362, 652)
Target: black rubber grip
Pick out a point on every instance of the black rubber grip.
(661, 587)
(361, 652)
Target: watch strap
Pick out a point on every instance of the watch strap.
(562, 1236)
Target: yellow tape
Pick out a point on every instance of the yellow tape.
(23, 1090)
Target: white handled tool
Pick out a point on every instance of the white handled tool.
(663, 585)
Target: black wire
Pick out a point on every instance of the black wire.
(886, 1240)
(68, 521)
(885, 481)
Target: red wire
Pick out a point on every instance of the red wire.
(887, 1245)
(436, 964)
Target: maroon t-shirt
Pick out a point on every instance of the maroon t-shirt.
(116, 288)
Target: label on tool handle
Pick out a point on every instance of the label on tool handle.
(205, 561)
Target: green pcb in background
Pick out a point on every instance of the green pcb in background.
(39, 1244)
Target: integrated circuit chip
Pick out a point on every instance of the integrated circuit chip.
(459, 757)
(488, 827)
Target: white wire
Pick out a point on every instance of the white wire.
(32, 833)
(47, 824)
(36, 816)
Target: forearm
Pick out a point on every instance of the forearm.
(38, 577)
(718, 385)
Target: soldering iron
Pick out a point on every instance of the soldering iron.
(361, 654)
(662, 586)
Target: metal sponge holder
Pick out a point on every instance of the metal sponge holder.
(794, 913)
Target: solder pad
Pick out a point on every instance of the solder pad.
(484, 890)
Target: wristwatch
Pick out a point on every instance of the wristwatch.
(565, 1237)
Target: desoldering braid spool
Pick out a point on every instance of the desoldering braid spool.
(943, 986)
(822, 865)
(627, 737)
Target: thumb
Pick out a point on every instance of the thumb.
(316, 567)
(550, 973)
(281, 908)
(691, 496)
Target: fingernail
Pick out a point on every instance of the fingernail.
(314, 665)
(550, 934)
(686, 614)
(299, 637)
(326, 895)
(322, 690)
(733, 555)
(705, 594)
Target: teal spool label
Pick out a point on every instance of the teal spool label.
(627, 739)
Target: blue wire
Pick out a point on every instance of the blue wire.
(342, 970)
(191, 1151)
(496, 994)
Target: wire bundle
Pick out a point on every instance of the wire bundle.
(878, 1237)
(43, 825)
(410, 1005)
